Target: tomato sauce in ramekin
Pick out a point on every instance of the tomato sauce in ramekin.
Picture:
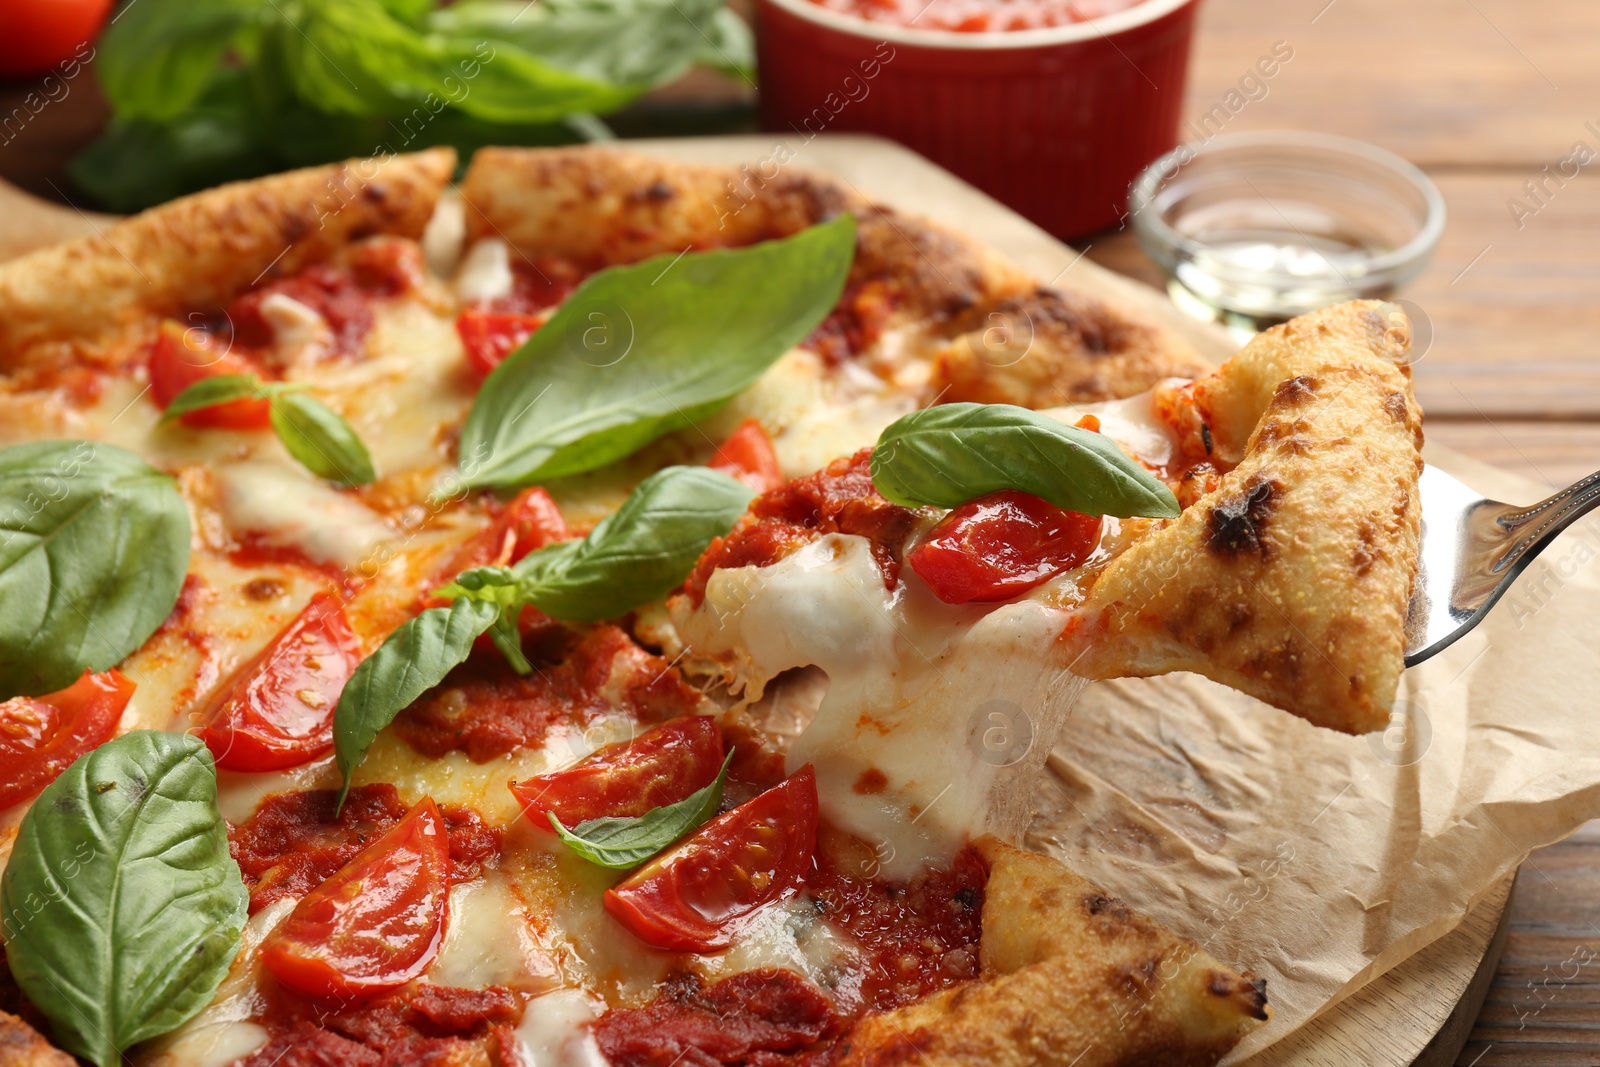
(978, 16)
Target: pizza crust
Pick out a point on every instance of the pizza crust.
(1045, 348)
(200, 251)
(1069, 977)
(23, 1046)
(1289, 581)
(995, 334)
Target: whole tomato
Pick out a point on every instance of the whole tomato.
(35, 35)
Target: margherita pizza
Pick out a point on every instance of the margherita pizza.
(554, 621)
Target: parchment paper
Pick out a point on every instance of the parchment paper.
(1319, 860)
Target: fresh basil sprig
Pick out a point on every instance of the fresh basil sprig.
(414, 659)
(205, 91)
(953, 453)
(315, 435)
(122, 908)
(635, 555)
(639, 351)
(621, 843)
(94, 547)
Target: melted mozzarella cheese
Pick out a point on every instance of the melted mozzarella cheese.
(485, 272)
(301, 334)
(789, 935)
(445, 234)
(1131, 422)
(554, 1031)
(814, 413)
(408, 394)
(487, 941)
(914, 685)
(454, 779)
(290, 508)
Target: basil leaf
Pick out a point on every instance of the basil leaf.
(210, 392)
(122, 907)
(94, 547)
(624, 42)
(642, 350)
(157, 60)
(640, 552)
(320, 439)
(953, 453)
(353, 57)
(622, 843)
(413, 659)
(492, 585)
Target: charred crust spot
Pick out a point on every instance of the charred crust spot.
(1205, 437)
(375, 192)
(1366, 550)
(1237, 523)
(294, 228)
(1297, 444)
(1395, 406)
(1114, 910)
(1258, 998)
(656, 192)
(1293, 390)
(1402, 503)
(1240, 616)
(871, 782)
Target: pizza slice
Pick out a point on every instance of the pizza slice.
(1289, 579)
(497, 584)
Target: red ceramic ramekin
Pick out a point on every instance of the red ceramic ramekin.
(1054, 122)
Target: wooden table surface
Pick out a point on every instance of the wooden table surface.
(1486, 96)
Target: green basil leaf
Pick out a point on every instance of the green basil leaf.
(729, 46)
(492, 585)
(320, 439)
(953, 453)
(121, 905)
(353, 57)
(413, 659)
(209, 392)
(138, 163)
(641, 350)
(622, 843)
(156, 60)
(640, 552)
(94, 547)
(641, 43)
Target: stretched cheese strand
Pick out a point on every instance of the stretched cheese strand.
(935, 716)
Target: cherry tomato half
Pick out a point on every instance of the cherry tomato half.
(490, 336)
(277, 711)
(36, 35)
(180, 357)
(376, 923)
(41, 736)
(1000, 546)
(660, 766)
(747, 455)
(691, 897)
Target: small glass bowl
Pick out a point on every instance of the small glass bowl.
(1256, 228)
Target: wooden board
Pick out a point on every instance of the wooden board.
(1425, 1007)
